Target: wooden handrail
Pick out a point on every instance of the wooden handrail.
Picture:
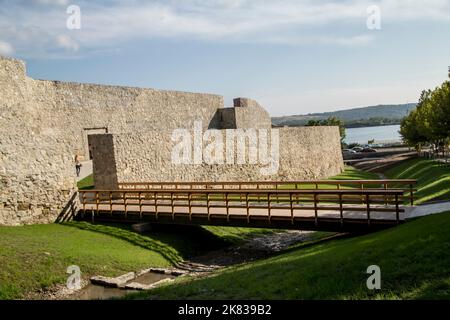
(286, 185)
(251, 191)
(379, 181)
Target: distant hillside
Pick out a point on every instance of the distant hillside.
(365, 116)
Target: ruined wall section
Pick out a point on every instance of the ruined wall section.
(246, 113)
(250, 114)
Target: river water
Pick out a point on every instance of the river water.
(380, 134)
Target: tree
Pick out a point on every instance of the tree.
(430, 121)
(410, 131)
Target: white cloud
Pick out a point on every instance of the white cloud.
(287, 22)
(6, 49)
(52, 2)
(66, 42)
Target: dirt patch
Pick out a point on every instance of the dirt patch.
(57, 292)
(253, 249)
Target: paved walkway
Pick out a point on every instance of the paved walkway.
(426, 209)
(86, 169)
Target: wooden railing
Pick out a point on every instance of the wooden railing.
(406, 185)
(284, 202)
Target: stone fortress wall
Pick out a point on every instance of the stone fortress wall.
(44, 124)
(304, 153)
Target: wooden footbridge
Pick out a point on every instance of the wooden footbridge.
(332, 205)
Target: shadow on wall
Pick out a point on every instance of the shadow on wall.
(70, 209)
(223, 119)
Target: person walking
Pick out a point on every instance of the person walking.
(77, 165)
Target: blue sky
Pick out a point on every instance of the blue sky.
(293, 56)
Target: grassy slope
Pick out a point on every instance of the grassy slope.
(36, 257)
(433, 178)
(414, 260)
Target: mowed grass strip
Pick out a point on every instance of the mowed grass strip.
(414, 259)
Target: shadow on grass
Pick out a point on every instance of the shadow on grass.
(173, 242)
(433, 178)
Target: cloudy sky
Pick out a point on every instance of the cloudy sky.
(293, 56)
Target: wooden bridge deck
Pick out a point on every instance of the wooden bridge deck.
(288, 208)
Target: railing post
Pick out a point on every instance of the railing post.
(96, 206)
(110, 203)
(385, 196)
(172, 205)
(368, 209)
(411, 194)
(316, 218)
(397, 211)
(362, 188)
(226, 205)
(292, 207)
(207, 206)
(270, 206)
(248, 207)
(190, 205)
(83, 198)
(140, 205)
(155, 195)
(276, 188)
(341, 209)
(125, 204)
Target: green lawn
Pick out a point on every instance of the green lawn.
(36, 257)
(86, 183)
(414, 259)
(433, 178)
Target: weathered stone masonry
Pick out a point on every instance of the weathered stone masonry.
(304, 153)
(43, 124)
